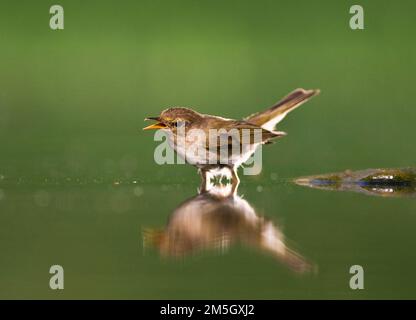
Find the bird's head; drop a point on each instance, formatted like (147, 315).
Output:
(173, 118)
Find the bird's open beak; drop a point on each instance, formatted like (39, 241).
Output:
(158, 125)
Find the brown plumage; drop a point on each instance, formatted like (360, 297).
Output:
(174, 118)
(270, 117)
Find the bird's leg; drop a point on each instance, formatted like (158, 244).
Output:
(235, 181)
(203, 174)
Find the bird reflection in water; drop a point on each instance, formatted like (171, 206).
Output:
(216, 219)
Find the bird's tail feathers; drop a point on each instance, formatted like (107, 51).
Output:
(270, 117)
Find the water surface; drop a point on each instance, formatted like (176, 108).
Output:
(79, 185)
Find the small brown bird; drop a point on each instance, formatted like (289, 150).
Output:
(172, 120)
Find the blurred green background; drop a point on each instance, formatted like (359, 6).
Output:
(77, 177)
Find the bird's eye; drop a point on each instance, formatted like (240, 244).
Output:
(179, 123)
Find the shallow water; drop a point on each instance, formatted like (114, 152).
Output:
(80, 188)
(106, 256)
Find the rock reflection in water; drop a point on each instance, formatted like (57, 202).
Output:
(217, 219)
(375, 182)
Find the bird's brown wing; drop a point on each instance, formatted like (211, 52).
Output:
(270, 117)
(238, 132)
